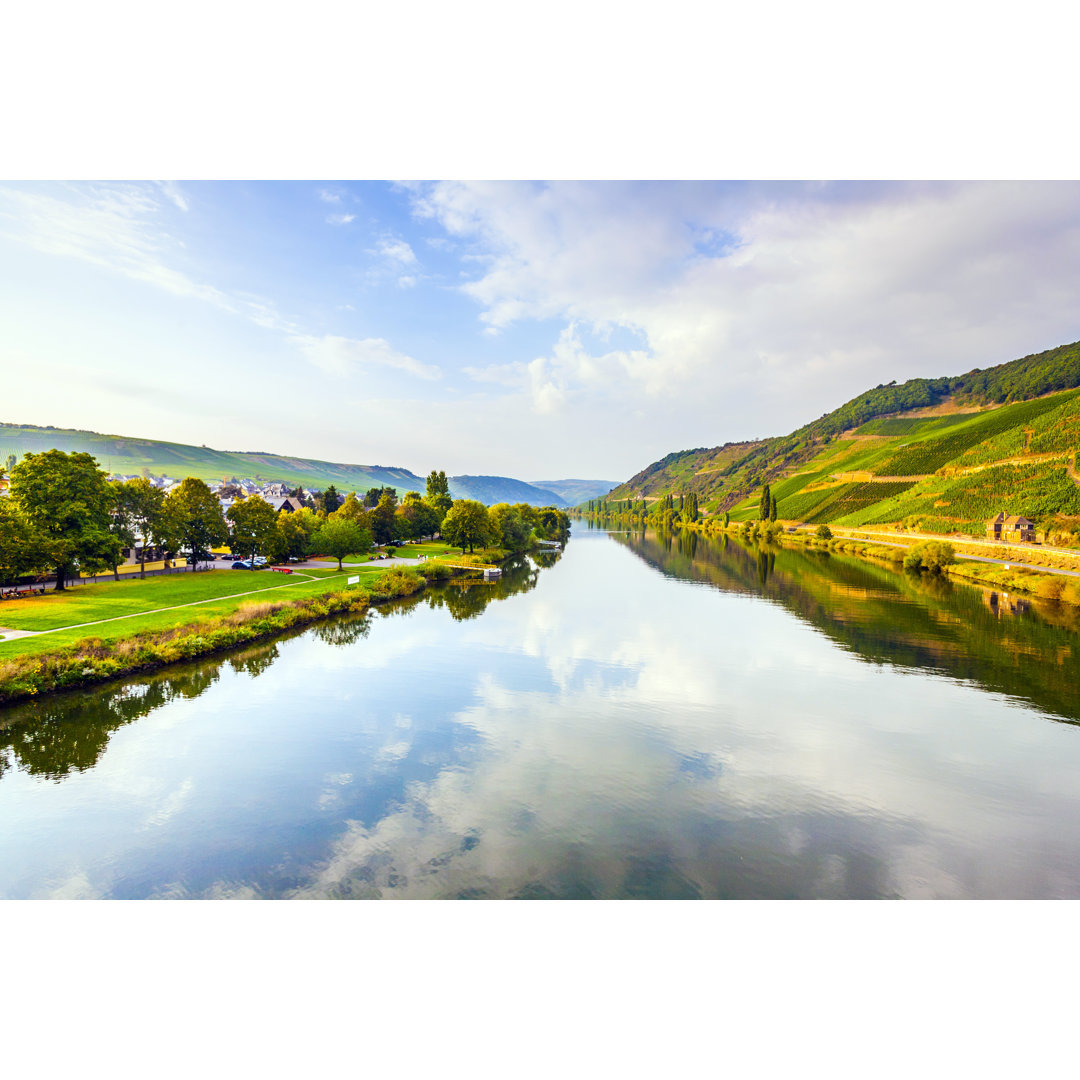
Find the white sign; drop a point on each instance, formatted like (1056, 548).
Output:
(354, 580)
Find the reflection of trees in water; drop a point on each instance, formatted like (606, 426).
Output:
(883, 615)
(254, 661)
(69, 732)
(467, 598)
(346, 630)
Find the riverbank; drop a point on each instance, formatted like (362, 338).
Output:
(92, 660)
(1043, 583)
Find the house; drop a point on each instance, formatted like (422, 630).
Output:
(1010, 527)
(287, 505)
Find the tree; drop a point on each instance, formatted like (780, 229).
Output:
(296, 530)
(193, 520)
(507, 528)
(9, 463)
(20, 547)
(146, 506)
(772, 507)
(416, 518)
(823, 532)
(438, 493)
(339, 537)
(727, 519)
(254, 527)
(467, 523)
(329, 500)
(382, 519)
(933, 555)
(65, 499)
(352, 509)
(764, 504)
(122, 526)
(138, 508)
(373, 495)
(690, 507)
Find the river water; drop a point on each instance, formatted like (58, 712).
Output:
(645, 716)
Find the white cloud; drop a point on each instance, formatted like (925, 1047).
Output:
(395, 250)
(116, 227)
(174, 194)
(342, 356)
(329, 196)
(761, 306)
(340, 219)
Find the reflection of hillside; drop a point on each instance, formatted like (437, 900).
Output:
(69, 732)
(885, 616)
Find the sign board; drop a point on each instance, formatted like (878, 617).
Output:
(354, 580)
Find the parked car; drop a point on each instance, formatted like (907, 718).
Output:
(260, 560)
(241, 564)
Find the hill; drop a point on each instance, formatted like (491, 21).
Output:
(129, 456)
(495, 489)
(576, 491)
(936, 455)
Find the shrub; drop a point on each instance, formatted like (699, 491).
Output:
(932, 555)
(823, 532)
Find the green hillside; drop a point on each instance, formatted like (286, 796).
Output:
(937, 455)
(130, 456)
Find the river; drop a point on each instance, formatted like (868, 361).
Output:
(644, 716)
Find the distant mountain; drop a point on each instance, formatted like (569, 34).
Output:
(496, 489)
(128, 456)
(576, 491)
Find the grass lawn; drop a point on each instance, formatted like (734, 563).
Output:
(142, 600)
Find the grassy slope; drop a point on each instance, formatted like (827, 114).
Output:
(129, 455)
(223, 589)
(939, 473)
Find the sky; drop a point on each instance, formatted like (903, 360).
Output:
(537, 330)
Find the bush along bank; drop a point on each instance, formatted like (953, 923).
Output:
(91, 660)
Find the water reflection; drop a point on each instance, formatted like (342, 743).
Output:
(888, 616)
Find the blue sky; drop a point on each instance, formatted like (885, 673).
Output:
(539, 330)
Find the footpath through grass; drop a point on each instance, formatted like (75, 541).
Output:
(137, 605)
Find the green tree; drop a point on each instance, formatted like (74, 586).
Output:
(329, 500)
(20, 547)
(9, 463)
(467, 523)
(764, 504)
(66, 500)
(193, 520)
(438, 493)
(339, 537)
(416, 517)
(727, 519)
(823, 532)
(254, 527)
(507, 528)
(690, 507)
(933, 555)
(383, 521)
(144, 505)
(352, 509)
(772, 507)
(296, 530)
